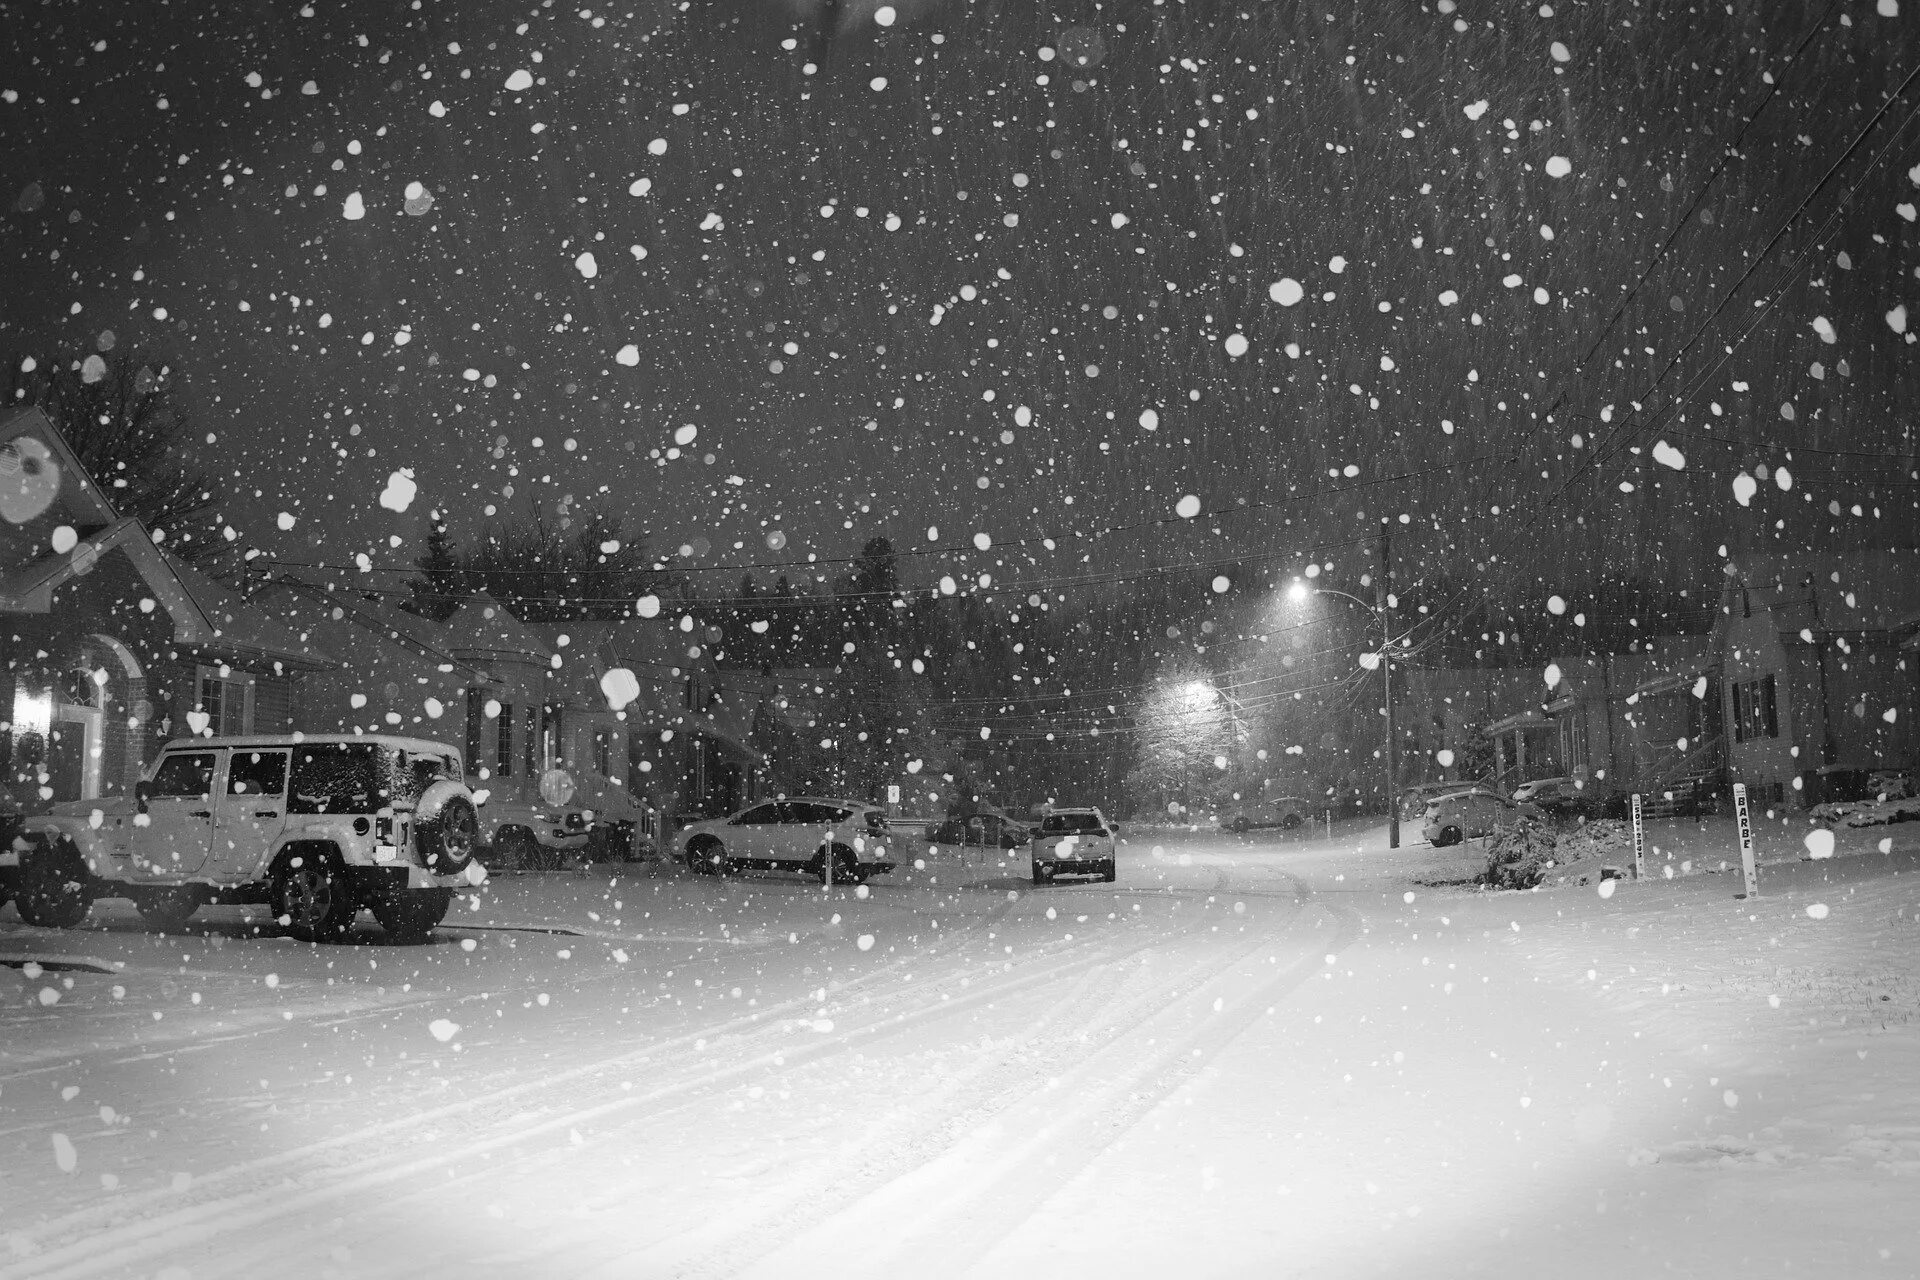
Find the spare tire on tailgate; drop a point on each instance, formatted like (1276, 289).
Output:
(446, 828)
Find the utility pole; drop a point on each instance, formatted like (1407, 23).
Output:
(1381, 595)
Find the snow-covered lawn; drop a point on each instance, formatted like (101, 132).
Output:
(1274, 1054)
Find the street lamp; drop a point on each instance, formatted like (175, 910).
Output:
(1378, 607)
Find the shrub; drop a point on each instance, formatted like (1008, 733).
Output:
(1602, 838)
(1520, 855)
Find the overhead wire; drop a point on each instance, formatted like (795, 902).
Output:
(1642, 422)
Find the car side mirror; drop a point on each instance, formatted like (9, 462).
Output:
(142, 792)
(1115, 829)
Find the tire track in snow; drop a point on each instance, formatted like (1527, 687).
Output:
(102, 1237)
(931, 1127)
(739, 1242)
(948, 1214)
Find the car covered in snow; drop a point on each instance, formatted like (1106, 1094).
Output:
(1564, 797)
(792, 833)
(1074, 842)
(1284, 812)
(317, 827)
(531, 834)
(1468, 812)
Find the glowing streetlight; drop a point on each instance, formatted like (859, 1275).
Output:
(1298, 591)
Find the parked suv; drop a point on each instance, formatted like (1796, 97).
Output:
(1074, 842)
(796, 834)
(316, 826)
(531, 835)
(1470, 812)
(1284, 812)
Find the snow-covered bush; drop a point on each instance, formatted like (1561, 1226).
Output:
(1867, 813)
(1520, 855)
(1600, 839)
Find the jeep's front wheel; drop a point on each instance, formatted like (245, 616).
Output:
(53, 887)
(310, 897)
(409, 915)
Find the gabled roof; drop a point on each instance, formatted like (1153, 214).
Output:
(205, 615)
(308, 603)
(237, 625)
(43, 488)
(71, 497)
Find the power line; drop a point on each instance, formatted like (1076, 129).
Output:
(1639, 425)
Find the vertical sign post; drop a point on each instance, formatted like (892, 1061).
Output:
(1639, 840)
(1746, 840)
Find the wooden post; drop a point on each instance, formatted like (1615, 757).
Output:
(1746, 841)
(1639, 840)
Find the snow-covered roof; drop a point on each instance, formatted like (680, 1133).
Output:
(482, 629)
(360, 629)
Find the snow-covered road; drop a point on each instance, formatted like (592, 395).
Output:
(1247, 1057)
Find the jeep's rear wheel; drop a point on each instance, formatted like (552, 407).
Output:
(53, 887)
(168, 909)
(310, 897)
(447, 843)
(409, 915)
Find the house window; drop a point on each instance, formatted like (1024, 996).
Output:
(699, 696)
(603, 753)
(476, 719)
(1753, 710)
(503, 744)
(226, 696)
(532, 740)
(553, 740)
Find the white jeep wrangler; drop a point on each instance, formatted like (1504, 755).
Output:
(315, 826)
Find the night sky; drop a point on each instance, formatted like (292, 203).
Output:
(1033, 273)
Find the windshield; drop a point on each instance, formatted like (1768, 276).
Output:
(1060, 823)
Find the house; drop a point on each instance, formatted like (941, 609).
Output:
(113, 645)
(656, 723)
(481, 679)
(1641, 721)
(1805, 685)
(1820, 672)
(397, 672)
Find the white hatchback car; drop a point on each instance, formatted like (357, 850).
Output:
(798, 833)
(1468, 813)
(1075, 842)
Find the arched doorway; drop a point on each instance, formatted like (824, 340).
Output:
(69, 725)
